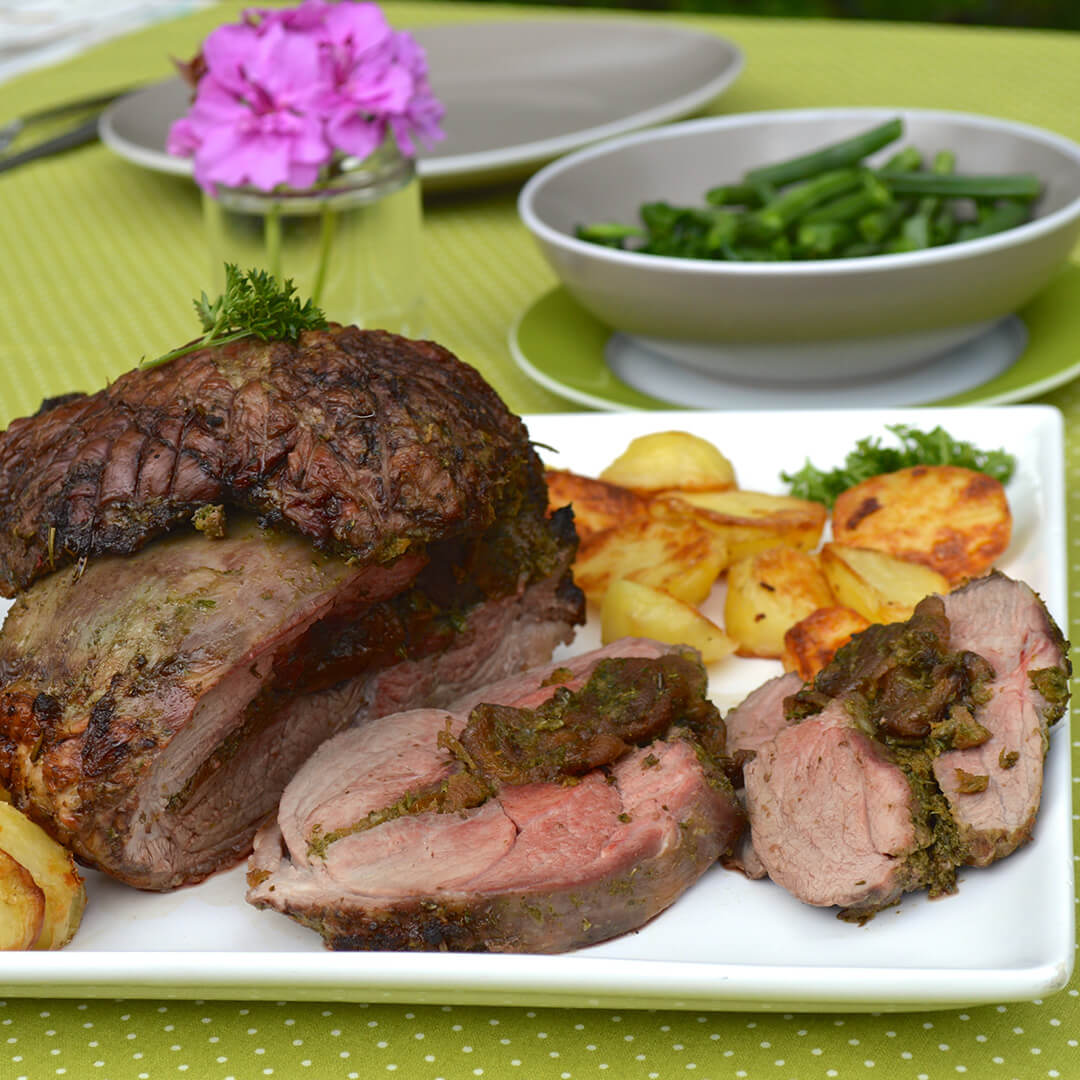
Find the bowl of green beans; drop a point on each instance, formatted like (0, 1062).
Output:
(809, 245)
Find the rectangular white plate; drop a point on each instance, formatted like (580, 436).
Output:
(728, 943)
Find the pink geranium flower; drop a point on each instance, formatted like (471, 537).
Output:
(284, 91)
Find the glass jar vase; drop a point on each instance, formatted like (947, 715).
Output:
(351, 243)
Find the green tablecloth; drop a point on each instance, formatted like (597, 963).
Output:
(98, 262)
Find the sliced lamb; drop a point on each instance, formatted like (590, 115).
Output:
(369, 848)
(994, 789)
(153, 709)
(833, 820)
(760, 716)
(918, 749)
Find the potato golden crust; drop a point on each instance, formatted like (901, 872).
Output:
(671, 460)
(22, 906)
(635, 610)
(879, 586)
(597, 505)
(954, 520)
(812, 642)
(52, 869)
(767, 594)
(752, 521)
(680, 556)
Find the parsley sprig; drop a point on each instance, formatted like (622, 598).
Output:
(870, 458)
(254, 304)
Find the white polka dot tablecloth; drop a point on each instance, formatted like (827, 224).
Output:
(98, 262)
(215, 1041)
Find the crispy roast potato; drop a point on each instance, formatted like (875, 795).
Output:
(671, 459)
(812, 642)
(52, 868)
(597, 505)
(635, 610)
(769, 592)
(679, 556)
(954, 520)
(22, 906)
(880, 587)
(752, 521)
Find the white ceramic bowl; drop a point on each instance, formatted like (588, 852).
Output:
(800, 321)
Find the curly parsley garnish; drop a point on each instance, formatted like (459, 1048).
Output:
(870, 458)
(253, 305)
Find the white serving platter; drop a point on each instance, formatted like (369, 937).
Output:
(728, 943)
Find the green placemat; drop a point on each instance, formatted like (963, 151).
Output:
(98, 263)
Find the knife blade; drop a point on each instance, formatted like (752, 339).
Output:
(86, 132)
(13, 128)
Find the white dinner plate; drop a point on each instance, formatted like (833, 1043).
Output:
(516, 93)
(728, 942)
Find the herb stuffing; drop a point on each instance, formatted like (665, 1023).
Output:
(254, 304)
(870, 458)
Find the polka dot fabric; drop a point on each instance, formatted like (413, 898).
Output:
(145, 1040)
(66, 323)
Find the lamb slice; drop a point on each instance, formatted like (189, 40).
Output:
(149, 709)
(122, 687)
(832, 818)
(533, 867)
(495, 638)
(760, 716)
(994, 789)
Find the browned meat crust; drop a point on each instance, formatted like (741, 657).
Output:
(364, 442)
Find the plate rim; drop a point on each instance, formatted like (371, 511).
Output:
(500, 159)
(647, 403)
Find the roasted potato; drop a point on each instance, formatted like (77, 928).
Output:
(680, 556)
(769, 592)
(597, 505)
(52, 868)
(752, 521)
(671, 459)
(954, 520)
(812, 642)
(22, 906)
(880, 587)
(635, 610)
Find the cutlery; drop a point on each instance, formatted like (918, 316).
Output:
(78, 136)
(13, 128)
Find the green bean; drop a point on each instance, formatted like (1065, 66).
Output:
(907, 160)
(871, 196)
(943, 229)
(723, 229)
(790, 205)
(733, 195)
(1006, 215)
(917, 231)
(878, 224)
(818, 240)
(835, 156)
(829, 204)
(608, 233)
(956, 186)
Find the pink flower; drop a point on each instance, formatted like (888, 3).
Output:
(286, 89)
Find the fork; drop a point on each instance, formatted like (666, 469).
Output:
(10, 131)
